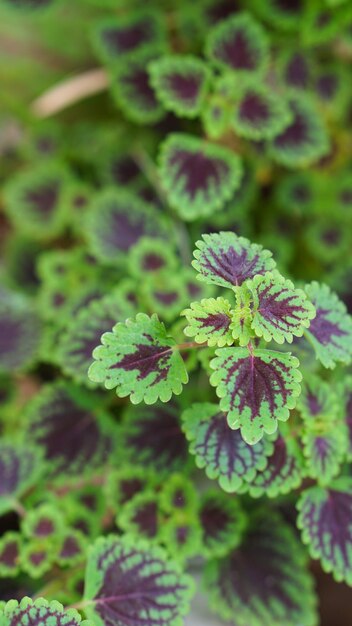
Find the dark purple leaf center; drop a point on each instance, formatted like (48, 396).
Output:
(197, 170)
(147, 359)
(254, 109)
(324, 330)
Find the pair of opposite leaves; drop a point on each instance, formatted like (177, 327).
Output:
(257, 387)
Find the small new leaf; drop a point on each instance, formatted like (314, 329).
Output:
(139, 359)
(256, 389)
(209, 321)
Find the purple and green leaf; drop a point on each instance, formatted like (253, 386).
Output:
(222, 521)
(20, 333)
(265, 580)
(284, 471)
(34, 201)
(116, 222)
(228, 260)
(40, 612)
(220, 450)
(132, 91)
(197, 176)
(181, 83)
(178, 494)
(304, 141)
(325, 519)
(10, 547)
(256, 389)
(280, 311)
(240, 44)
(260, 114)
(324, 447)
(129, 582)
(20, 469)
(118, 38)
(67, 423)
(181, 536)
(139, 359)
(330, 332)
(140, 516)
(209, 321)
(152, 437)
(82, 334)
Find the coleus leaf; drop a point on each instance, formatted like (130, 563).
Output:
(181, 536)
(178, 494)
(20, 468)
(72, 549)
(117, 38)
(40, 612)
(121, 570)
(37, 557)
(181, 83)
(139, 359)
(197, 176)
(132, 91)
(325, 447)
(82, 334)
(256, 389)
(347, 403)
(20, 333)
(118, 167)
(123, 484)
(71, 428)
(117, 221)
(209, 321)
(260, 114)
(295, 70)
(220, 450)
(228, 260)
(140, 516)
(330, 332)
(284, 471)
(10, 547)
(164, 294)
(304, 141)
(34, 200)
(325, 521)
(43, 522)
(265, 580)
(222, 521)
(153, 435)
(280, 311)
(150, 256)
(318, 401)
(239, 44)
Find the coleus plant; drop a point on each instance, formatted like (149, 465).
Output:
(161, 424)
